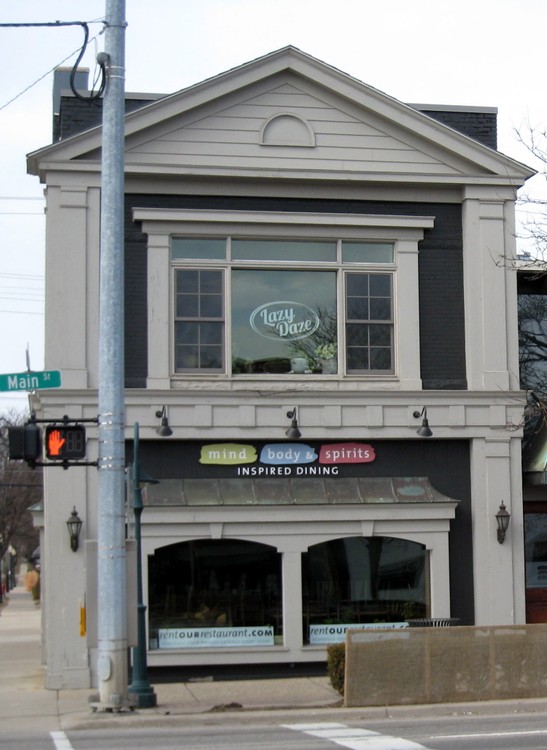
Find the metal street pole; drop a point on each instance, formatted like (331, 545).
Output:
(112, 588)
(140, 687)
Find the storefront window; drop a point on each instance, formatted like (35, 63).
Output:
(215, 593)
(332, 314)
(535, 540)
(361, 581)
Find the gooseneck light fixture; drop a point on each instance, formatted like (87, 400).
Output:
(424, 430)
(293, 432)
(502, 519)
(74, 526)
(163, 430)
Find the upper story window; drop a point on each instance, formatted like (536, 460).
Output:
(255, 306)
(236, 293)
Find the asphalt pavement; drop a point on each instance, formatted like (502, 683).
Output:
(24, 701)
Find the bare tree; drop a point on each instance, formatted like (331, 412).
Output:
(533, 229)
(532, 313)
(20, 488)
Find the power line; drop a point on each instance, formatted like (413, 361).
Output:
(81, 50)
(21, 296)
(22, 276)
(20, 312)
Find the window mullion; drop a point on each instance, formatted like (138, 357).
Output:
(228, 320)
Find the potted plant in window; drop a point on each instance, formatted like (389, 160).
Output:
(326, 353)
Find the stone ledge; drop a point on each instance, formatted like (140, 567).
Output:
(445, 665)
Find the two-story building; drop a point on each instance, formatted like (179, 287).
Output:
(319, 311)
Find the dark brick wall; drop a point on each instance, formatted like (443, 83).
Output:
(136, 313)
(442, 327)
(77, 115)
(481, 126)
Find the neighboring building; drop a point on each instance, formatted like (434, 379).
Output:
(532, 307)
(276, 214)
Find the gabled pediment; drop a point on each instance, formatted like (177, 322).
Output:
(289, 115)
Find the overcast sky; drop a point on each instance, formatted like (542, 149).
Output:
(463, 52)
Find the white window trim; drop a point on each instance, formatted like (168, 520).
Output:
(404, 231)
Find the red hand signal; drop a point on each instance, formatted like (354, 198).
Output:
(55, 443)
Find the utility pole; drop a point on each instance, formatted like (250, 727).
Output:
(112, 589)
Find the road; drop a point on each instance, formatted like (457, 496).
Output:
(525, 731)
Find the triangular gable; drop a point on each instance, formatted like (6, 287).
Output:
(290, 113)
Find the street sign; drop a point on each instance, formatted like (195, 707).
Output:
(30, 381)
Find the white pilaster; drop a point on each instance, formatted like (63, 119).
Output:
(159, 328)
(495, 475)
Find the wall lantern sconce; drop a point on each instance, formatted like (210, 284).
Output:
(163, 430)
(293, 432)
(502, 519)
(425, 429)
(74, 526)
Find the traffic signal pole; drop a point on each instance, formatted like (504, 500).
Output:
(112, 591)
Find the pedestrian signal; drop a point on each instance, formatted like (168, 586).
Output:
(65, 442)
(25, 443)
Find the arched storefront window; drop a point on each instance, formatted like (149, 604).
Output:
(361, 581)
(215, 593)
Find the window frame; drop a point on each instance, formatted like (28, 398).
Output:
(199, 319)
(162, 224)
(342, 270)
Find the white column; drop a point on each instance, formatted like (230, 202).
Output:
(498, 568)
(63, 569)
(489, 291)
(439, 571)
(159, 324)
(66, 314)
(408, 322)
(292, 600)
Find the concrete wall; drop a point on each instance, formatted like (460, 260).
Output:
(445, 665)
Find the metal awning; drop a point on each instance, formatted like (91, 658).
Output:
(293, 491)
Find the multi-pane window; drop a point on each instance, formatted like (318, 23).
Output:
(369, 321)
(199, 320)
(280, 306)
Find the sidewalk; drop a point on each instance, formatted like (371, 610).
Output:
(24, 700)
(22, 697)
(22, 692)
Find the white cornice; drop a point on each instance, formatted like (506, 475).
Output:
(284, 61)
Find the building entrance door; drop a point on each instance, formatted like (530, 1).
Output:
(535, 544)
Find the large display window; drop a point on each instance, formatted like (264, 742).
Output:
(361, 582)
(215, 593)
(228, 593)
(286, 334)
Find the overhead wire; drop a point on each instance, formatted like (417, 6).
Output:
(17, 199)
(32, 293)
(94, 95)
